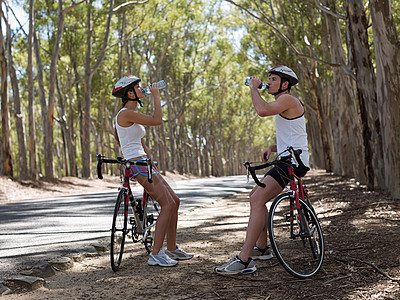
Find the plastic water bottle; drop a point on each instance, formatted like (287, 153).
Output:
(262, 86)
(160, 85)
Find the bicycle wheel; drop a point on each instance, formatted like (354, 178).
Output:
(300, 251)
(118, 231)
(151, 210)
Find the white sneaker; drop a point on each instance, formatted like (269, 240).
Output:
(262, 254)
(179, 254)
(237, 266)
(161, 259)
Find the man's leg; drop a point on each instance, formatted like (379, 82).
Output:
(258, 215)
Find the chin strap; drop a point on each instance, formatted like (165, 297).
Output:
(280, 89)
(136, 99)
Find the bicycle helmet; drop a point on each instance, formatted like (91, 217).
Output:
(123, 85)
(284, 73)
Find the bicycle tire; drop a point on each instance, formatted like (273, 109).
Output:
(151, 210)
(301, 255)
(118, 230)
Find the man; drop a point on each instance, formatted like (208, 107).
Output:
(290, 131)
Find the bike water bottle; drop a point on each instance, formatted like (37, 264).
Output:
(262, 85)
(160, 85)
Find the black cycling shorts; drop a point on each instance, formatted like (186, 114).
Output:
(281, 174)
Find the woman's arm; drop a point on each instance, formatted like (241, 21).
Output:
(129, 117)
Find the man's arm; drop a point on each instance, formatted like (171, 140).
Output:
(267, 152)
(264, 108)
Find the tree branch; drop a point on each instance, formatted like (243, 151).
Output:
(291, 46)
(12, 11)
(329, 11)
(129, 3)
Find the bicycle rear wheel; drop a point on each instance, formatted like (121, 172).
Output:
(118, 230)
(151, 210)
(300, 251)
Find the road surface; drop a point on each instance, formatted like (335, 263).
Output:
(34, 230)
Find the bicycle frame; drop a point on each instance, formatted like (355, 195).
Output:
(141, 222)
(142, 229)
(298, 192)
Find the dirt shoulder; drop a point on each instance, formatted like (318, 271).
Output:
(361, 228)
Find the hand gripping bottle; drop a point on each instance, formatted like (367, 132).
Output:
(160, 85)
(262, 86)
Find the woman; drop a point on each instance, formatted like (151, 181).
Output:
(129, 133)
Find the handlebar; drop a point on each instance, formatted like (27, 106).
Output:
(119, 160)
(293, 154)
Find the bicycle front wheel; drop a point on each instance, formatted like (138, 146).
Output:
(299, 248)
(151, 210)
(118, 230)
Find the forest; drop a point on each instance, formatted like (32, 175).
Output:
(59, 61)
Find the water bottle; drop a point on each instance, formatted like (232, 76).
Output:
(262, 85)
(160, 85)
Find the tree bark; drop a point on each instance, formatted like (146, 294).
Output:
(366, 84)
(387, 53)
(7, 166)
(18, 114)
(49, 144)
(349, 160)
(31, 107)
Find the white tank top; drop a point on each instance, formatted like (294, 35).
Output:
(292, 132)
(130, 139)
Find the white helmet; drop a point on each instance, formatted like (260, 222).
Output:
(124, 84)
(286, 73)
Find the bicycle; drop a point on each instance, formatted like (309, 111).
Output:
(145, 211)
(294, 230)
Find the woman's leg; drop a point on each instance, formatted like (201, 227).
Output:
(172, 228)
(167, 219)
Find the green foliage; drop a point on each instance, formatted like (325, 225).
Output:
(202, 49)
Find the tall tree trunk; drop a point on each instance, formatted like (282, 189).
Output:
(42, 97)
(49, 144)
(89, 72)
(7, 166)
(366, 91)
(387, 53)
(62, 120)
(18, 114)
(321, 116)
(70, 128)
(31, 108)
(350, 161)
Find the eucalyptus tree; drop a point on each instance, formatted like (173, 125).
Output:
(387, 54)
(18, 114)
(361, 60)
(55, 33)
(89, 72)
(7, 165)
(31, 111)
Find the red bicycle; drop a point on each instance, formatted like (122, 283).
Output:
(294, 230)
(145, 211)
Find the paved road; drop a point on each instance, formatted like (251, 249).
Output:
(36, 229)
